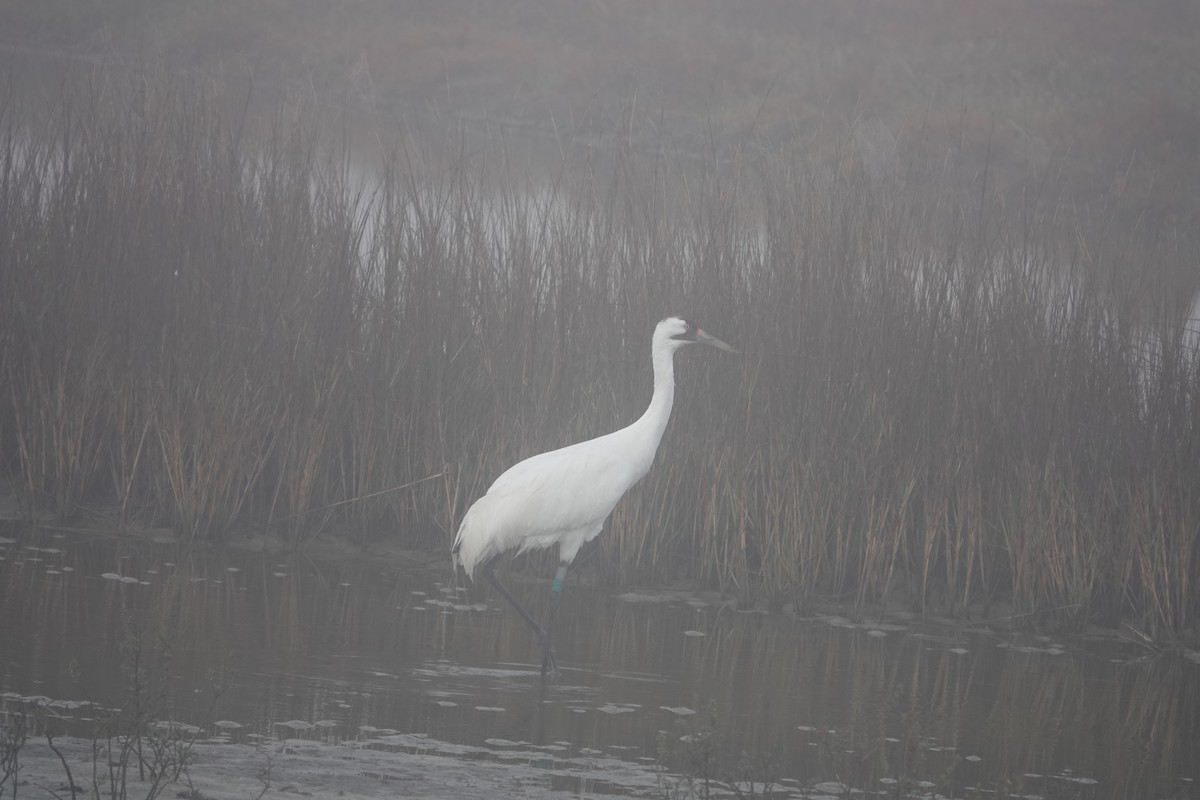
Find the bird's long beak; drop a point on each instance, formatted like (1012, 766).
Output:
(707, 338)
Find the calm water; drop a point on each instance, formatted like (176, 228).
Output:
(361, 649)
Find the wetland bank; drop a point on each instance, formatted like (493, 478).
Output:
(961, 438)
(363, 678)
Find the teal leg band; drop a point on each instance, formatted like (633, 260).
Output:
(557, 585)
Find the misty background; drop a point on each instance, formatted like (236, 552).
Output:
(1104, 95)
(286, 284)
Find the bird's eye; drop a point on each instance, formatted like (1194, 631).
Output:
(688, 333)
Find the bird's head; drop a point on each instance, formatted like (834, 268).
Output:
(675, 332)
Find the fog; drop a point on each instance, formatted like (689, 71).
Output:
(1102, 94)
(285, 286)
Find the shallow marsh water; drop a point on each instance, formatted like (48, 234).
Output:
(659, 690)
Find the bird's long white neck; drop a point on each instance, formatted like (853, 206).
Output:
(649, 428)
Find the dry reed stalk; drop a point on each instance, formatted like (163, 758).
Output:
(60, 430)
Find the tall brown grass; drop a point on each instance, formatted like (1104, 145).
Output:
(951, 398)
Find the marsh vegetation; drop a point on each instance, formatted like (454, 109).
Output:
(951, 395)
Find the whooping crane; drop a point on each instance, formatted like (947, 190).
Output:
(563, 497)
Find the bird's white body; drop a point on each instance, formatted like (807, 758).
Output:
(564, 496)
(561, 497)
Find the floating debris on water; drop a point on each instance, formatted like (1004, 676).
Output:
(1070, 778)
(681, 711)
(295, 724)
(1051, 650)
(113, 576)
(181, 727)
(833, 788)
(645, 597)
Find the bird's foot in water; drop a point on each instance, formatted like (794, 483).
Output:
(549, 663)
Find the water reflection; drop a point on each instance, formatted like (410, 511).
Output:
(354, 649)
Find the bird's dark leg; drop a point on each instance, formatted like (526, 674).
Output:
(543, 638)
(549, 665)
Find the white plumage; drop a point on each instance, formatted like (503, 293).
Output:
(563, 497)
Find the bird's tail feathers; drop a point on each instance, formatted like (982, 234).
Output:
(472, 547)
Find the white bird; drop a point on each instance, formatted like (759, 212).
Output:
(563, 497)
